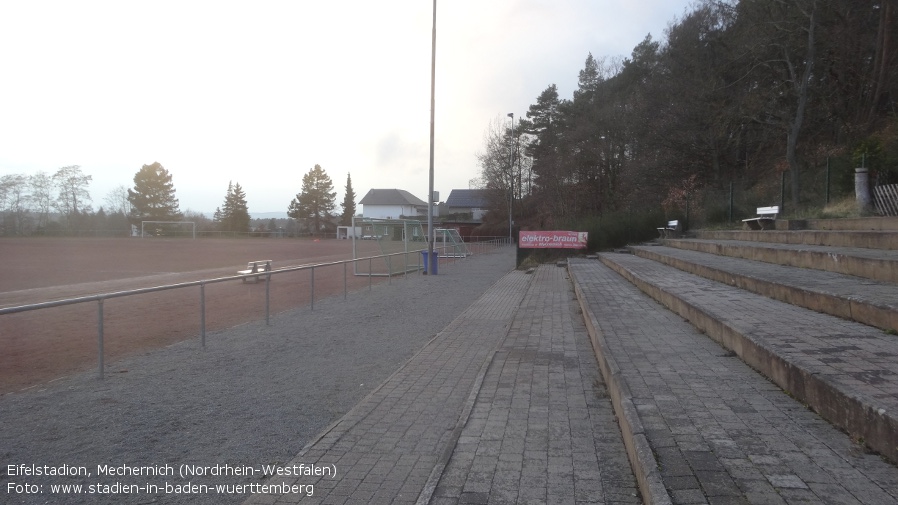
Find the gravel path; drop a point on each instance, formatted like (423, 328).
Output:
(254, 396)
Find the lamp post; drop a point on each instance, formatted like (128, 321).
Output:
(511, 182)
(433, 66)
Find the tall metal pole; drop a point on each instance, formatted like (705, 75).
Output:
(511, 183)
(433, 66)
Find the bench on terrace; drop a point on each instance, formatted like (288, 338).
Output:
(671, 230)
(766, 219)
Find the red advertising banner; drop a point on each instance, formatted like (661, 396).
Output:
(552, 240)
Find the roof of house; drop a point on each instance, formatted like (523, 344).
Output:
(467, 198)
(390, 197)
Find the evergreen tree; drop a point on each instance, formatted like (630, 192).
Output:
(348, 203)
(153, 196)
(233, 215)
(316, 200)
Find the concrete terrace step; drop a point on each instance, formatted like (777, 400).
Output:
(858, 223)
(718, 431)
(836, 238)
(865, 301)
(844, 370)
(877, 264)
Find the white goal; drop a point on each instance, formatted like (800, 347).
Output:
(450, 243)
(168, 229)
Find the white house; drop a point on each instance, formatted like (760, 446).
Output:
(391, 204)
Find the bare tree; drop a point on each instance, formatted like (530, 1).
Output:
(14, 204)
(800, 76)
(117, 200)
(501, 164)
(73, 197)
(781, 37)
(42, 196)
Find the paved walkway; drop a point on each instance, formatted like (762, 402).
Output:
(542, 429)
(719, 431)
(505, 405)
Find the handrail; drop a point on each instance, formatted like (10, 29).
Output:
(102, 297)
(165, 287)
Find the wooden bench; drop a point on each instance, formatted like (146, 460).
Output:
(255, 267)
(671, 230)
(766, 219)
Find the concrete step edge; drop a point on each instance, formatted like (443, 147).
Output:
(863, 311)
(885, 270)
(639, 451)
(878, 239)
(851, 413)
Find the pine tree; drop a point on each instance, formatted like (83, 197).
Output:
(233, 215)
(348, 203)
(153, 196)
(239, 218)
(316, 200)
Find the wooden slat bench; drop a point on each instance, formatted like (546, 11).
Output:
(766, 219)
(671, 230)
(255, 267)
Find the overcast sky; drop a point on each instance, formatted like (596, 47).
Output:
(260, 92)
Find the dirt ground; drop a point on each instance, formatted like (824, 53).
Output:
(42, 345)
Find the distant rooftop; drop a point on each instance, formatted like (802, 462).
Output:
(391, 197)
(467, 198)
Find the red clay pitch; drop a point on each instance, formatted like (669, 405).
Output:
(45, 344)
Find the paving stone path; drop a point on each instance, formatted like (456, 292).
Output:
(504, 406)
(542, 429)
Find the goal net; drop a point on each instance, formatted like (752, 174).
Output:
(168, 229)
(449, 243)
(397, 244)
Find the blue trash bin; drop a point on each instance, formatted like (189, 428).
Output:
(434, 262)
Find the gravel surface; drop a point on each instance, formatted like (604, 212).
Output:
(254, 396)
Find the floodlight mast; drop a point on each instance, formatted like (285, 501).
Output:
(511, 182)
(433, 59)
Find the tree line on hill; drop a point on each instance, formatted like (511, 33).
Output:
(61, 204)
(761, 94)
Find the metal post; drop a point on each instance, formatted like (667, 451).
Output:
(369, 274)
(783, 193)
(511, 181)
(731, 203)
(344, 281)
(100, 333)
(826, 192)
(268, 299)
(312, 274)
(433, 74)
(355, 264)
(203, 314)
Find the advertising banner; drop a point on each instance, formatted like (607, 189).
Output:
(552, 240)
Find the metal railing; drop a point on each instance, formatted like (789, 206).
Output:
(101, 298)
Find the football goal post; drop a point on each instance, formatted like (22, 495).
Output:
(401, 239)
(168, 229)
(449, 243)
